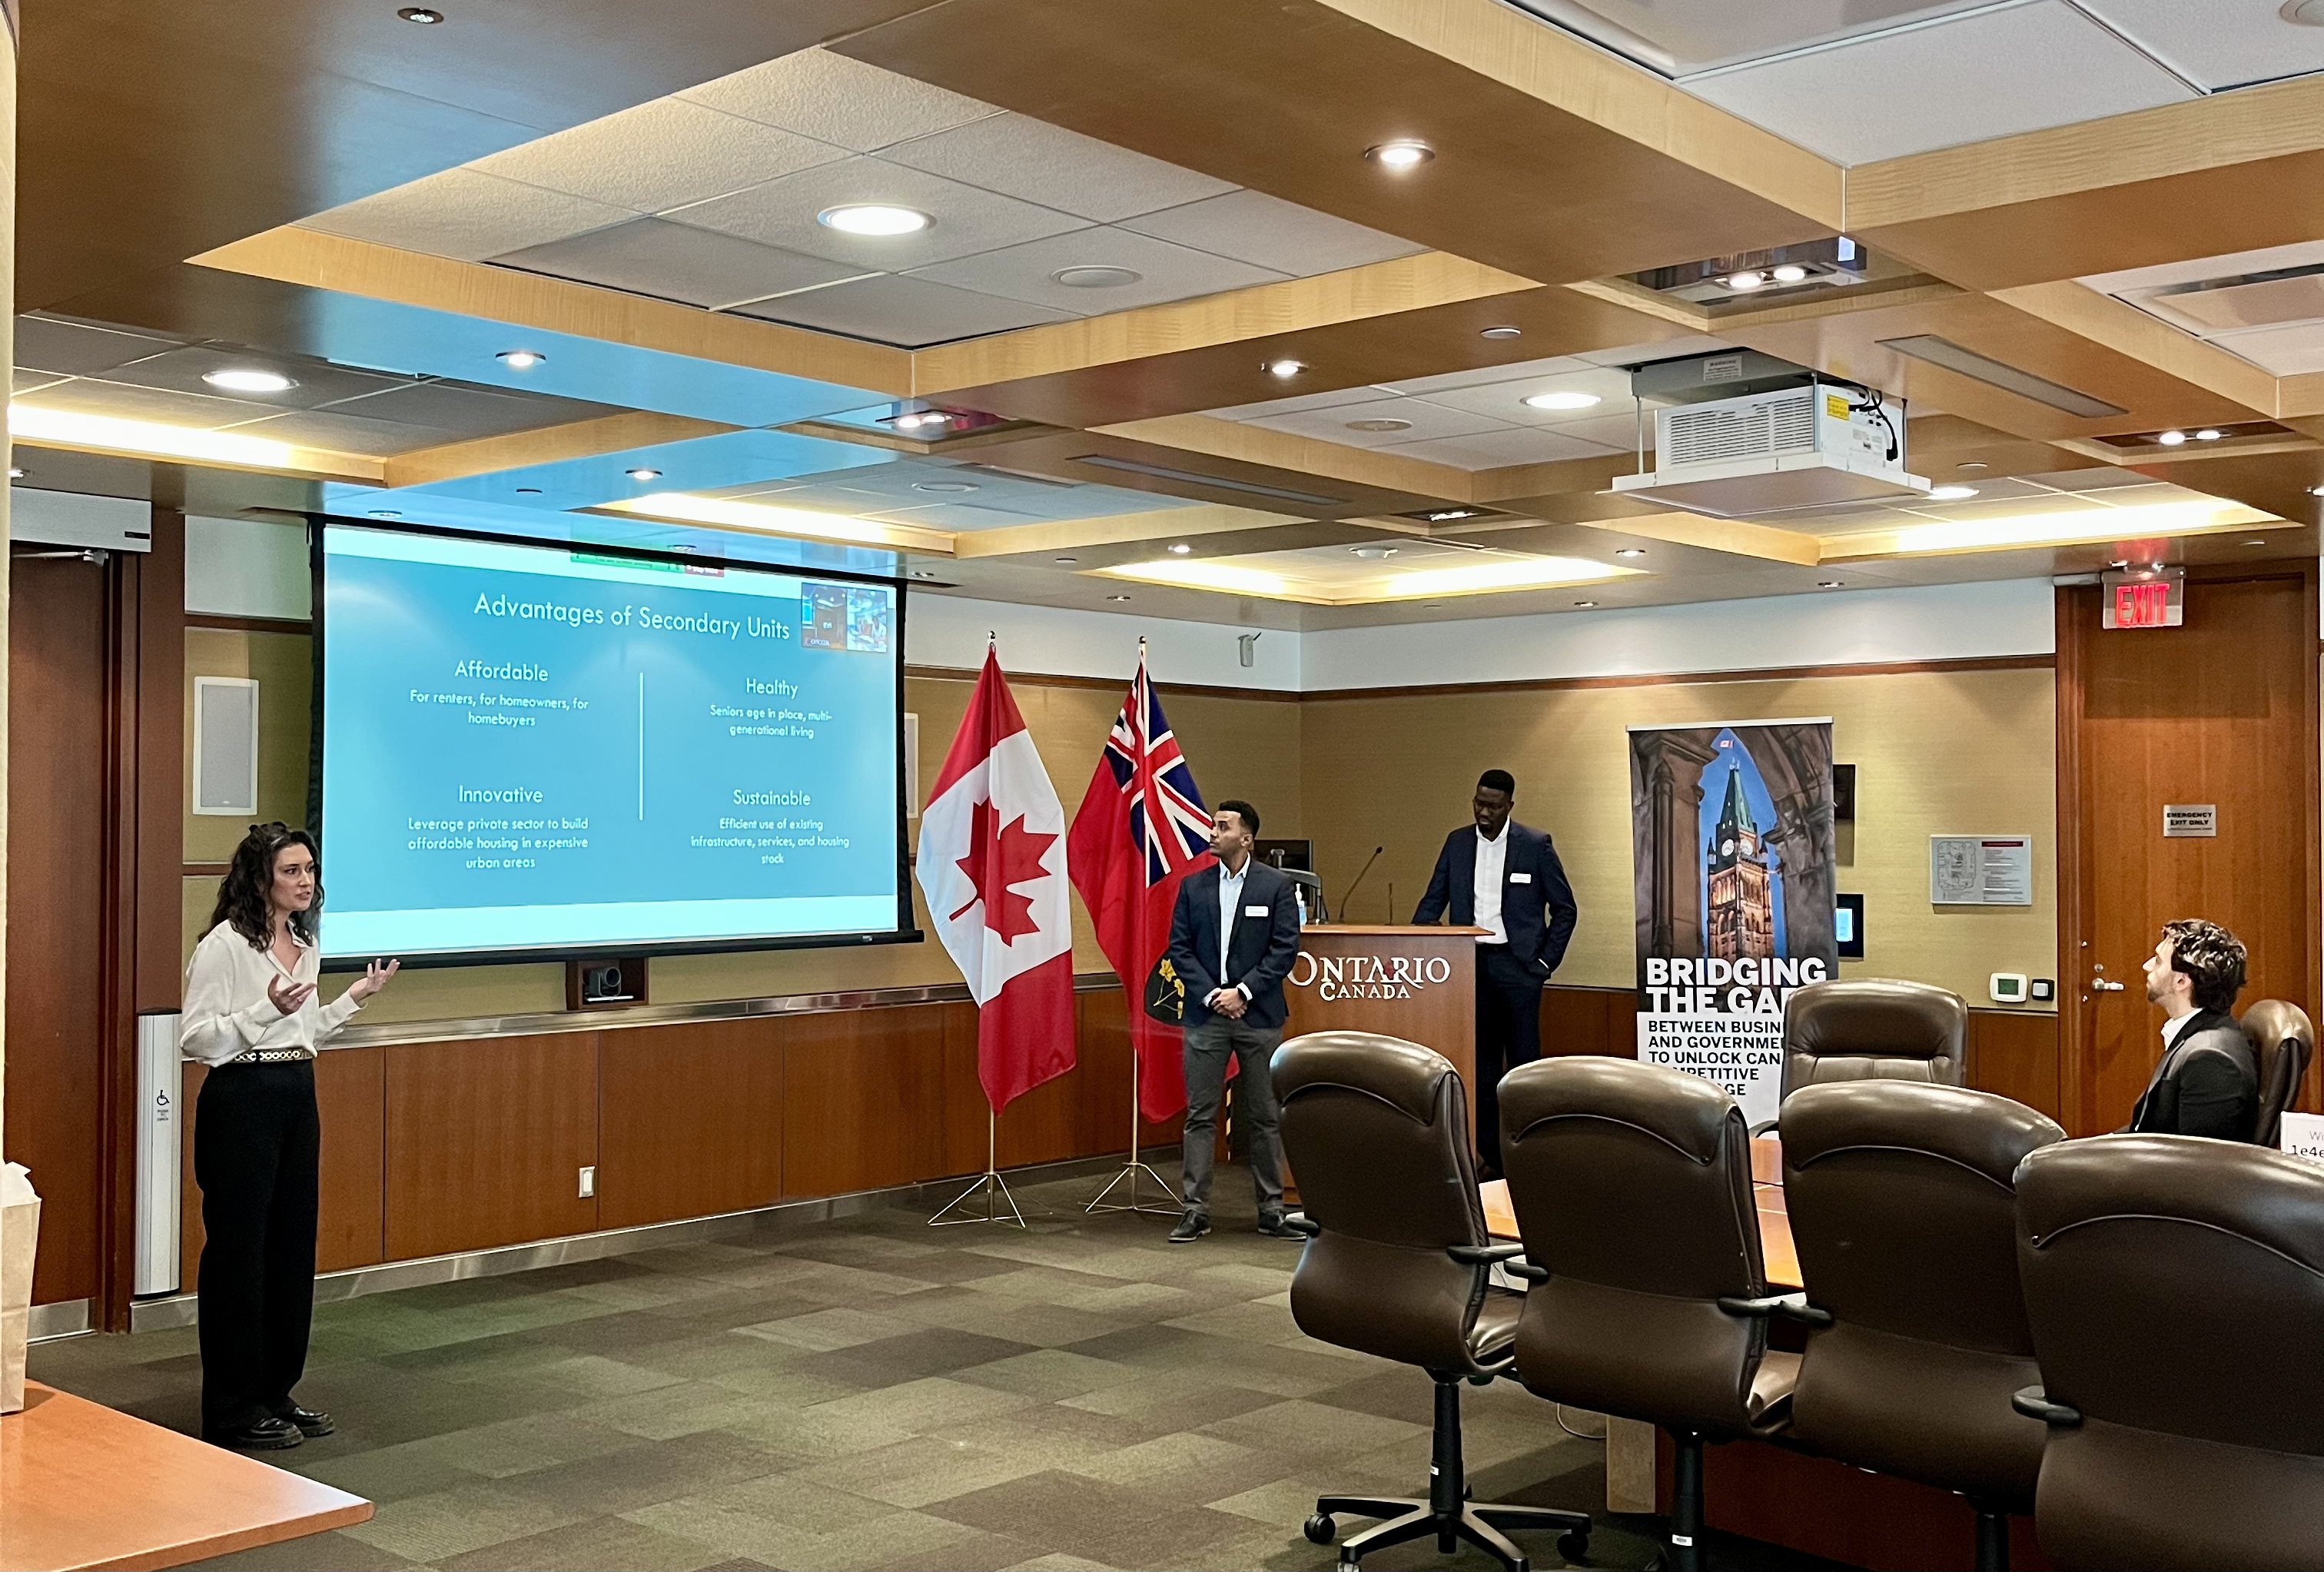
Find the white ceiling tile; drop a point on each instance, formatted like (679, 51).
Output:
(1167, 271)
(1492, 449)
(904, 311)
(659, 155)
(1676, 348)
(1253, 227)
(2220, 43)
(838, 100)
(1020, 156)
(1423, 421)
(76, 349)
(1330, 399)
(1619, 431)
(465, 215)
(701, 267)
(782, 213)
(1993, 73)
(1484, 375)
(1674, 37)
(2295, 349)
(1505, 400)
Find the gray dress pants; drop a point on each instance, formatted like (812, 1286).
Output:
(1207, 1049)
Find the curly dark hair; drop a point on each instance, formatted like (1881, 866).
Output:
(2212, 958)
(242, 894)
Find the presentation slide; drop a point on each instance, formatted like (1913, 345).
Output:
(530, 748)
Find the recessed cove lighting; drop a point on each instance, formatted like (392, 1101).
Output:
(2172, 438)
(1285, 368)
(1501, 332)
(874, 218)
(521, 359)
(1096, 278)
(1179, 549)
(1404, 153)
(1631, 551)
(1789, 272)
(1562, 401)
(643, 474)
(1951, 493)
(2208, 434)
(1381, 425)
(249, 380)
(426, 16)
(1748, 279)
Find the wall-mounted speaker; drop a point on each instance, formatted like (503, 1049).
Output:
(225, 747)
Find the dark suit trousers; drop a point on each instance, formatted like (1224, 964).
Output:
(1509, 1034)
(257, 1145)
(1207, 1049)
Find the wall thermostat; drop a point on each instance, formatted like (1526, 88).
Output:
(2045, 989)
(2009, 987)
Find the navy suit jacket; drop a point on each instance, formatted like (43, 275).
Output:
(1537, 909)
(1259, 951)
(2206, 1083)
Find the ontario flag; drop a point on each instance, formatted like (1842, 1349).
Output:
(1141, 830)
(992, 867)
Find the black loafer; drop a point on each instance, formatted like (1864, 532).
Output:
(1191, 1228)
(266, 1435)
(310, 1424)
(1272, 1224)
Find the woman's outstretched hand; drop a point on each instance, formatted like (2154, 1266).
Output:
(376, 975)
(287, 995)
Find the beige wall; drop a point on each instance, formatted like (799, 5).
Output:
(1937, 752)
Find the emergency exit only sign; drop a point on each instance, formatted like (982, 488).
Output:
(2189, 819)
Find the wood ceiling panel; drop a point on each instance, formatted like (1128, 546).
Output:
(1520, 182)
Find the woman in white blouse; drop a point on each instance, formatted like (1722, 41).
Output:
(252, 1016)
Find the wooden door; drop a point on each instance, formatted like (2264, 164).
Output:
(61, 837)
(2220, 711)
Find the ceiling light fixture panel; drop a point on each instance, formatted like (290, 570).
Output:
(875, 221)
(240, 379)
(1401, 155)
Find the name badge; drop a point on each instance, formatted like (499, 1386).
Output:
(1254, 910)
(1520, 878)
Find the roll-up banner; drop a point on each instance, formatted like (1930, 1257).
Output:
(1731, 836)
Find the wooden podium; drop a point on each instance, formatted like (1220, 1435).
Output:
(1418, 984)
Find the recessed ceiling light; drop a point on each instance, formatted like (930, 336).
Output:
(1066, 561)
(1096, 278)
(1970, 465)
(2315, 491)
(386, 514)
(1372, 553)
(943, 485)
(921, 419)
(1382, 425)
(1748, 279)
(521, 359)
(528, 491)
(878, 219)
(1831, 584)
(2172, 438)
(2303, 13)
(249, 379)
(1951, 493)
(1562, 401)
(1404, 153)
(427, 17)
(1503, 332)
(1789, 272)
(2208, 434)
(1179, 549)
(1631, 551)
(1585, 605)
(1117, 598)
(16, 474)
(1285, 368)
(643, 474)
(2255, 542)
(922, 573)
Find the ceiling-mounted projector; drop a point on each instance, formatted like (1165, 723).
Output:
(1769, 450)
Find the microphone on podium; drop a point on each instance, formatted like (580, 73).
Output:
(1367, 868)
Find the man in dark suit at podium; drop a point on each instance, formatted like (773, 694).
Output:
(1505, 878)
(1234, 933)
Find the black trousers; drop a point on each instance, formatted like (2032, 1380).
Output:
(1509, 1034)
(257, 1141)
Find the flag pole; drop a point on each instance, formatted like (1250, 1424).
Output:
(989, 1184)
(1131, 1170)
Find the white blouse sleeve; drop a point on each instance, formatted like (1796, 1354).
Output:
(211, 1029)
(334, 1014)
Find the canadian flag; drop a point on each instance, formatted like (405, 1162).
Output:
(992, 868)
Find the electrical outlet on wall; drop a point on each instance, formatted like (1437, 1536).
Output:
(588, 1182)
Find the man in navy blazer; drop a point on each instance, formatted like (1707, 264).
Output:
(1505, 878)
(1234, 933)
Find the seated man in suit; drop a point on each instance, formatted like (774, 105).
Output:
(2206, 1083)
(1505, 879)
(1234, 933)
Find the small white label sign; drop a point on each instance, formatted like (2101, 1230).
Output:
(2189, 819)
(2303, 1136)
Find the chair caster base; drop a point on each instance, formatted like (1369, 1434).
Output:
(1573, 1547)
(1320, 1530)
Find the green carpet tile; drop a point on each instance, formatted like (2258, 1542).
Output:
(873, 1392)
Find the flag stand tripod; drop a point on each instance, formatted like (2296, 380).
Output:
(1133, 1169)
(989, 1184)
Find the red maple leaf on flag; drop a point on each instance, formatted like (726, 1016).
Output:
(1007, 914)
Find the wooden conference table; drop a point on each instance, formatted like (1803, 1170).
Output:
(1783, 1261)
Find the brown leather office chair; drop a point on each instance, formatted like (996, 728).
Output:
(1632, 1187)
(1398, 1264)
(2282, 1041)
(1873, 1029)
(1905, 1221)
(2175, 1286)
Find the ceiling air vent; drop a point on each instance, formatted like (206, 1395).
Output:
(2251, 300)
(1969, 362)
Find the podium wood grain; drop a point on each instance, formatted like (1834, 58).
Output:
(1441, 1014)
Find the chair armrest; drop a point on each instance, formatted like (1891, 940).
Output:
(1762, 1127)
(2035, 1404)
(1526, 1270)
(1301, 1223)
(1483, 1254)
(1795, 1306)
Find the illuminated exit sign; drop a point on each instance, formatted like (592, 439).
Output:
(2152, 599)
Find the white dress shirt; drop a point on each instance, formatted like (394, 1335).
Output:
(2171, 1029)
(1493, 863)
(227, 1014)
(1230, 898)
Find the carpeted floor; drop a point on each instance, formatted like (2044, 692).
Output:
(873, 1392)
